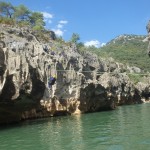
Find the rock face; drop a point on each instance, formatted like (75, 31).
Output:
(84, 82)
(148, 31)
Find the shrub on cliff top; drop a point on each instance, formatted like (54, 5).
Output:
(21, 15)
(8, 21)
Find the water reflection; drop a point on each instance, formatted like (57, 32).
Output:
(62, 133)
(123, 129)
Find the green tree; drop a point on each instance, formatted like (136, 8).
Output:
(75, 38)
(80, 45)
(22, 13)
(37, 18)
(60, 39)
(6, 9)
(39, 25)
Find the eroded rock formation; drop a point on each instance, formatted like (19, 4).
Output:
(84, 82)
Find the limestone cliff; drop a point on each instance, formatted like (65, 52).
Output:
(84, 82)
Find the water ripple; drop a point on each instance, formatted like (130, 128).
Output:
(126, 128)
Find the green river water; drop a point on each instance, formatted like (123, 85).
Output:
(126, 128)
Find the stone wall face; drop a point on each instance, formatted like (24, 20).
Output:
(84, 82)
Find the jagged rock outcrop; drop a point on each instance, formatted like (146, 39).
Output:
(84, 82)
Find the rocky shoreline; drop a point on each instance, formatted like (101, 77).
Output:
(85, 83)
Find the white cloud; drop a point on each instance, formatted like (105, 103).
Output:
(103, 44)
(47, 15)
(48, 20)
(92, 43)
(95, 43)
(59, 26)
(63, 22)
(58, 32)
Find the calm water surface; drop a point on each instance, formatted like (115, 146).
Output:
(127, 128)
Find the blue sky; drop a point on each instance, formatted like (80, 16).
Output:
(96, 21)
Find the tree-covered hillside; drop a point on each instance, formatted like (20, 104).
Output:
(128, 49)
